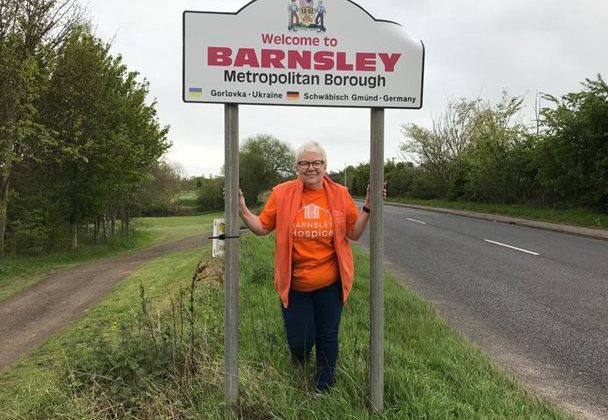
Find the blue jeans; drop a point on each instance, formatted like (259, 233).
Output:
(314, 318)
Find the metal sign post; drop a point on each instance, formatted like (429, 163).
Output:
(376, 268)
(231, 265)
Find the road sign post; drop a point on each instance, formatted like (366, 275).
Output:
(231, 262)
(376, 253)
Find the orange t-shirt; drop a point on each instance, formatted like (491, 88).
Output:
(314, 263)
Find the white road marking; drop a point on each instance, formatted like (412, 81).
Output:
(512, 247)
(416, 221)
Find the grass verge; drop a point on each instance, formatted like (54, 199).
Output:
(18, 274)
(157, 358)
(574, 216)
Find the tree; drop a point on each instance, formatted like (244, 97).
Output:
(78, 108)
(399, 178)
(436, 150)
(493, 166)
(210, 195)
(475, 150)
(159, 193)
(142, 142)
(573, 152)
(31, 216)
(190, 184)
(107, 136)
(29, 32)
(17, 116)
(264, 162)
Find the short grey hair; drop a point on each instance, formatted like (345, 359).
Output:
(311, 146)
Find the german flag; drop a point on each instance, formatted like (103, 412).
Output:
(293, 96)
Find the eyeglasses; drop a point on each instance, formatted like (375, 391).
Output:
(317, 164)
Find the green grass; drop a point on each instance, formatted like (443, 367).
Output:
(18, 274)
(119, 362)
(574, 216)
(188, 199)
(27, 388)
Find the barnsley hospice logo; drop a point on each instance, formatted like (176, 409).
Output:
(313, 222)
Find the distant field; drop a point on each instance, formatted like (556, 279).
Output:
(165, 229)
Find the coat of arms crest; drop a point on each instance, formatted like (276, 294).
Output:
(304, 15)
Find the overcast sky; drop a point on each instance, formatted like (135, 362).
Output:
(473, 49)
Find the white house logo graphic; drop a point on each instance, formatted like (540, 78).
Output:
(311, 211)
(317, 223)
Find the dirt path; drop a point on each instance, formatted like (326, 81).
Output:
(32, 316)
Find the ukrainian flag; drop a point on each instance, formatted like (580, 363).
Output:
(195, 92)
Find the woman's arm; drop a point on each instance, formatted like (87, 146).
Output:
(361, 223)
(251, 220)
(359, 227)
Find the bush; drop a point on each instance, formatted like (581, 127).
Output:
(155, 352)
(211, 194)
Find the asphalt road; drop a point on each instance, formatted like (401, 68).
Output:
(535, 301)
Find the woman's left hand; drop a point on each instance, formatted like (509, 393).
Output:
(367, 199)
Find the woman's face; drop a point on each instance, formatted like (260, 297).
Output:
(311, 169)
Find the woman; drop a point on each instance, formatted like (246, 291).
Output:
(313, 274)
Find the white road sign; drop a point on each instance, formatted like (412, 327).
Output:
(301, 52)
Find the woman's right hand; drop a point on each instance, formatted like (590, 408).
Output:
(242, 203)
(251, 220)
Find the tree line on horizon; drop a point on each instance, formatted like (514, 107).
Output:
(479, 152)
(81, 145)
(474, 151)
